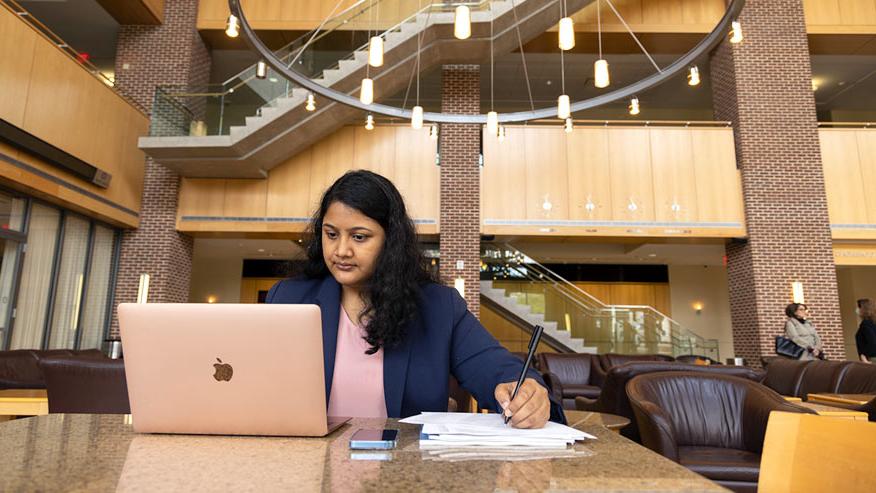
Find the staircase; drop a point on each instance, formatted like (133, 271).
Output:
(278, 125)
(523, 311)
(530, 291)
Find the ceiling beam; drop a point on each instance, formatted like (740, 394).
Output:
(135, 11)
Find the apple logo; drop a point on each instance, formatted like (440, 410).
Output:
(224, 371)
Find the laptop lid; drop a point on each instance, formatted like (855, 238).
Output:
(237, 369)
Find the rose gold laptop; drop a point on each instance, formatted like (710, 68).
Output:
(225, 369)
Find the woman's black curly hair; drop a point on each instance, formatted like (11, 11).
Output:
(392, 293)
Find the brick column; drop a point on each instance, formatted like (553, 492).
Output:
(763, 85)
(147, 57)
(460, 183)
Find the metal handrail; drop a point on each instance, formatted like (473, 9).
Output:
(559, 280)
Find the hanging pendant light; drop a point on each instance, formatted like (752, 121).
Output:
(232, 26)
(601, 77)
(736, 32)
(563, 108)
(311, 103)
(369, 122)
(433, 132)
(493, 123)
(634, 106)
(693, 78)
(462, 22)
(366, 93)
(261, 70)
(417, 117)
(568, 126)
(502, 133)
(375, 51)
(567, 34)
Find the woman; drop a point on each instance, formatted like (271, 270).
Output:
(799, 329)
(392, 336)
(865, 338)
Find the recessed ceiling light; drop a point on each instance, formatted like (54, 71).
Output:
(652, 254)
(261, 250)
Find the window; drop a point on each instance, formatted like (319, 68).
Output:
(56, 276)
(36, 278)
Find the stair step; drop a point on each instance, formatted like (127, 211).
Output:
(349, 66)
(331, 75)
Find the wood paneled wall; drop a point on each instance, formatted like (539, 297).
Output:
(282, 203)
(512, 337)
(651, 181)
(610, 293)
(306, 14)
(849, 160)
(840, 16)
(49, 95)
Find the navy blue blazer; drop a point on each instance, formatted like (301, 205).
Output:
(445, 339)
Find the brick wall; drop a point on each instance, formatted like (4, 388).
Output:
(460, 182)
(146, 57)
(763, 85)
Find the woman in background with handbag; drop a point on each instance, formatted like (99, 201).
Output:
(799, 329)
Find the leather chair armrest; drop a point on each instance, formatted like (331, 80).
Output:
(656, 430)
(756, 409)
(584, 404)
(555, 386)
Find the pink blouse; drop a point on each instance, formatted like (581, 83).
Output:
(357, 383)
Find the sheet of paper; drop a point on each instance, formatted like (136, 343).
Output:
(489, 425)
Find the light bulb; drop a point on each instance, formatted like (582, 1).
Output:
(375, 51)
(693, 78)
(261, 70)
(567, 34)
(492, 123)
(600, 74)
(502, 133)
(311, 103)
(417, 117)
(433, 132)
(369, 122)
(462, 22)
(232, 26)
(563, 110)
(366, 93)
(736, 32)
(568, 126)
(634, 106)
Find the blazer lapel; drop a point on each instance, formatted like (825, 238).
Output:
(329, 300)
(395, 373)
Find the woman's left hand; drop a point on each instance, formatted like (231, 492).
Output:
(530, 409)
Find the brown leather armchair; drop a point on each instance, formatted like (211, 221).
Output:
(569, 375)
(20, 368)
(614, 400)
(712, 424)
(85, 385)
(821, 376)
(693, 359)
(784, 376)
(608, 361)
(859, 378)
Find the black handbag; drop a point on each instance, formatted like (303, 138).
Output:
(787, 347)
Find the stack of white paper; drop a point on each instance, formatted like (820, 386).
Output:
(462, 436)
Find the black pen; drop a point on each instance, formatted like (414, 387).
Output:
(533, 343)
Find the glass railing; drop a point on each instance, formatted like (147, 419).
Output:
(623, 329)
(212, 110)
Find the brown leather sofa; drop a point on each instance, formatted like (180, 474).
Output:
(85, 385)
(859, 378)
(20, 368)
(712, 424)
(614, 400)
(569, 375)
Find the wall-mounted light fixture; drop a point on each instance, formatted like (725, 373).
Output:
(698, 307)
(797, 292)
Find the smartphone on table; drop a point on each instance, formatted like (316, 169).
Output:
(374, 439)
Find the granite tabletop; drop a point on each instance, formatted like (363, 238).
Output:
(78, 452)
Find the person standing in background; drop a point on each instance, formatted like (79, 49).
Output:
(865, 338)
(799, 329)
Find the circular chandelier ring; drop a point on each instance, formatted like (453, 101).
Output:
(704, 46)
